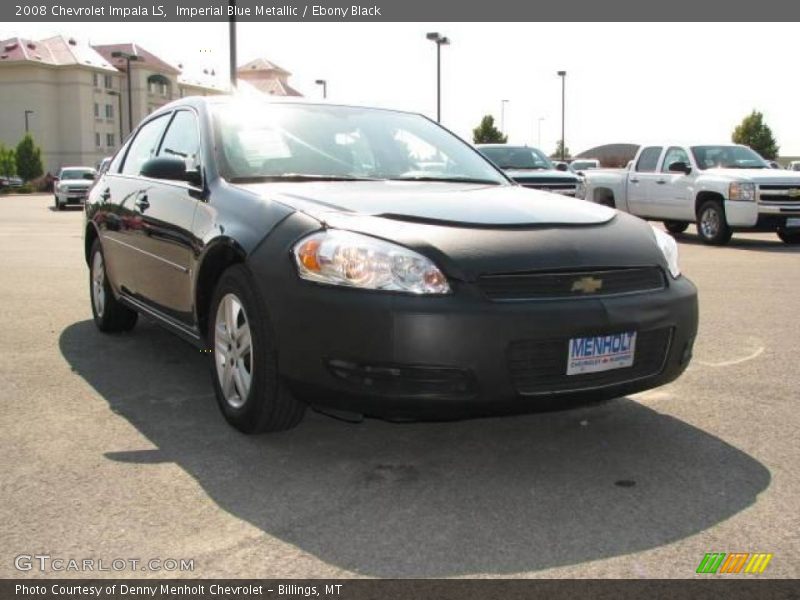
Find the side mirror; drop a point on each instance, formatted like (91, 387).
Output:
(165, 167)
(562, 167)
(679, 167)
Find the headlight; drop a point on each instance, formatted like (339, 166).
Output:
(351, 259)
(580, 189)
(669, 248)
(742, 191)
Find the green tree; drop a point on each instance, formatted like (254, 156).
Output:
(29, 159)
(487, 133)
(557, 154)
(8, 161)
(753, 132)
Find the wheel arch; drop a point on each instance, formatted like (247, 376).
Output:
(219, 256)
(90, 234)
(706, 195)
(605, 196)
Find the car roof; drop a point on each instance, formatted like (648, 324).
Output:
(78, 167)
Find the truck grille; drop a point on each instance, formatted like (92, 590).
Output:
(779, 194)
(560, 185)
(572, 284)
(540, 366)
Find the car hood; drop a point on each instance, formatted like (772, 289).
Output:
(76, 182)
(471, 230)
(760, 176)
(455, 204)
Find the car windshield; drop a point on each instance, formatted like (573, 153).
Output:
(515, 157)
(77, 174)
(727, 157)
(261, 141)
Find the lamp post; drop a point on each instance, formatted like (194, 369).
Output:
(503, 116)
(563, 75)
(324, 84)
(27, 112)
(539, 133)
(232, 42)
(119, 110)
(440, 41)
(129, 58)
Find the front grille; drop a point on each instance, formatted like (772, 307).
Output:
(540, 366)
(572, 284)
(779, 194)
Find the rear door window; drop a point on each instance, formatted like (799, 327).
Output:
(648, 159)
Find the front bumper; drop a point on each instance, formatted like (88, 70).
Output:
(72, 197)
(400, 356)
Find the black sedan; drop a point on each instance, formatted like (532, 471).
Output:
(369, 262)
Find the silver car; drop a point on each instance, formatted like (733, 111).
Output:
(72, 185)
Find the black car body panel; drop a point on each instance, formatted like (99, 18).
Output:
(386, 353)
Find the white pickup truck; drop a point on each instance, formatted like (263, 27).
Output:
(722, 188)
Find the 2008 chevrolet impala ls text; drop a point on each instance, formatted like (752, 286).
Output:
(369, 262)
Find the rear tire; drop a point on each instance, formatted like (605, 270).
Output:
(675, 227)
(110, 315)
(712, 227)
(243, 359)
(789, 237)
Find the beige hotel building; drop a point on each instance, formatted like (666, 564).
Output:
(73, 97)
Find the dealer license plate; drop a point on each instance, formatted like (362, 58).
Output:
(792, 222)
(601, 353)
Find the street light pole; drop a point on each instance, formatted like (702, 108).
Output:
(119, 110)
(324, 84)
(503, 116)
(539, 134)
(563, 75)
(440, 41)
(129, 58)
(27, 112)
(232, 42)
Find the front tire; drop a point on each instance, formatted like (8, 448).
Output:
(791, 237)
(58, 204)
(244, 364)
(675, 227)
(110, 315)
(712, 226)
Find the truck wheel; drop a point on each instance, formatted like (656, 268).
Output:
(789, 236)
(675, 227)
(712, 227)
(244, 363)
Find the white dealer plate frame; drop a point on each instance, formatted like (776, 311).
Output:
(597, 353)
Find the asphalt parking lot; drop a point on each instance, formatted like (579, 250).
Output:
(113, 447)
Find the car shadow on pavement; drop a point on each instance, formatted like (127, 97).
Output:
(496, 496)
(741, 243)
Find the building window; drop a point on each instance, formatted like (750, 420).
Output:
(96, 80)
(96, 110)
(108, 81)
(110, 140)
(97, 139)
(109, 111)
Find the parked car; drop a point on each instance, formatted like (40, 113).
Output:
(531, 168)
(794, 165)
(72, 185)
(584, 164)
(304, 249)
(10, 182)
(722, 188)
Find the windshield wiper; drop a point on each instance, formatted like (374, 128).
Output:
(447, 179)
(297, 177)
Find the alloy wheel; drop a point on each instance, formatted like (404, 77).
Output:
(710, 223)
(233, 350)
(98, 284)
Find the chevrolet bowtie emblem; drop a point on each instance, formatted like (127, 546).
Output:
(793, 192)
(587, 285)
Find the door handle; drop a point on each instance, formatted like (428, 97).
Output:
(106, 195)
(143, 203)
(634, 181)
(661, 181)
